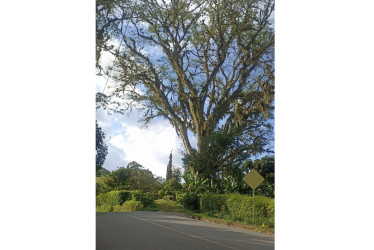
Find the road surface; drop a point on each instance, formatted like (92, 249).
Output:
(161, 230)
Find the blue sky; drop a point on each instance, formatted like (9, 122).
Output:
(128, 140)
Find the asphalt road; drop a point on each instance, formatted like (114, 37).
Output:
(161, 230)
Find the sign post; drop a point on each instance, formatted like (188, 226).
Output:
(253, 179)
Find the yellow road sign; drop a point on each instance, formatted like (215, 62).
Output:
(253, 179)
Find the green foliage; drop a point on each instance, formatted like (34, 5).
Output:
(101, 186)
(131, 205)
(133, 177)
(189, 200)
(213, 203)
(113, 198)
(117, 179)
(170, 188)
(239, 208)
(118, 201)
(141, 179)
(225, 173)
(146, 199)
(161, 193)
(172, 185)
(195, 184)
(105, 208)
(265, 167)
(230, 178)
(212, 158)
(176, 173)
(192, 188)
(104, 172)
(112, 181)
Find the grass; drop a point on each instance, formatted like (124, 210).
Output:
(172, 206)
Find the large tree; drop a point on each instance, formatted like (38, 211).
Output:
(205, 66)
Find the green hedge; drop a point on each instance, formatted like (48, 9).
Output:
(113, 198)
(239, 208)
(112, 201)
(131, 205)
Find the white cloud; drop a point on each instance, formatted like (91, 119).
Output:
(115, 158)
(128, 141)
(150, 147)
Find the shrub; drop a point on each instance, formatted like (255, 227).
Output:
(131, 205)
(104, 208)
(113, 201)
(146, 199)
(172, 185)
(101, 186)
(112, 198)
(161, 193)
(213, 203)
(239, 208)
(189, 200)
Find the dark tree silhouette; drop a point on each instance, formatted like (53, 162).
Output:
(169, 171)
(101, 149)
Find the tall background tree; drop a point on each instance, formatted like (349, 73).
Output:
(205, 66)
(101, 149)
(169, 171)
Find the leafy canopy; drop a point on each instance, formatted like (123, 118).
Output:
(133, 177)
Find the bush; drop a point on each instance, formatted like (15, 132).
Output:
(113, 201)
(147, 199)
(161, 193)
(172, 185)
(214, 203)
(101, 186)
(189, 200)
(112, 198)
(239, 208)
(131, 205)
(104, 208)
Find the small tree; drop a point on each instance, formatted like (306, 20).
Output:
(177, 173)
(171, 186)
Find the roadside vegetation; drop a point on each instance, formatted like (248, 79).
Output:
(135, 188)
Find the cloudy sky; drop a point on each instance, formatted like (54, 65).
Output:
(128, 140)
